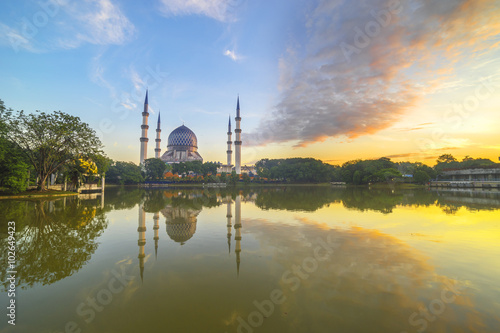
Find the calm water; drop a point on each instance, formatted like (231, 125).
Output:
(260, 260)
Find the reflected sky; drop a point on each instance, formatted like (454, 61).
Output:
(214, 260)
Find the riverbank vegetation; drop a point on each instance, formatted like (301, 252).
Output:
(37, 145)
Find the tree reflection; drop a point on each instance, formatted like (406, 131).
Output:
(297, 198)
(54, 239)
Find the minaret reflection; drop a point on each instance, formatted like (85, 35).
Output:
(142, 237)
(229, 224)
(237, 227)
(156, 218)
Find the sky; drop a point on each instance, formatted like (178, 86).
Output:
(335, 80)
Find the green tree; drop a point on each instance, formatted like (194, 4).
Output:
(183, 168)
(50, 140)
(13, 164)
(155, 168)
(124, 173)
(387, 175)
(356, 178)
(446, 158)
(209, 168)
(233, 178)
(246, 178)
(421, 177)
(102, 162)
(13, 167)
(223, 177)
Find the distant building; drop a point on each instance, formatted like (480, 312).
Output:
(474, 178)
(480, 174)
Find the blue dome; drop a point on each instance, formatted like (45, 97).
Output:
(182, 136)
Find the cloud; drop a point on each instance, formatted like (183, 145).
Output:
(362, 65)
(232, 54)
(59, 24)
(136, 79)
(99, 22)
(16, 39)
(220, 10)
(96, 74)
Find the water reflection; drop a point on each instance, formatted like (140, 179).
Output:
(337, 268)
(371, 282)
(55, 238)
(180, 211)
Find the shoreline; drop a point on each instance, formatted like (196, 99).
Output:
(398, 186)
(24, 195)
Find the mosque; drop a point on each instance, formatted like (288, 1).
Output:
(183, 144)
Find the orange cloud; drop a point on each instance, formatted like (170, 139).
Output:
(332, 92)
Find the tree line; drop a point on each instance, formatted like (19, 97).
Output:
(359, 172)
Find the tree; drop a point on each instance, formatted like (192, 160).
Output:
(421, 177)
(446, 158)
(233, 178)
(209, 168)
(387, 175)
(155, 168)
(223, 177)
(102, 162)
(356, 178)
(124, 173)
(13, 167)
(49, 140)
(77, 169)
(13, 163)
(246, 178)
(179, 168)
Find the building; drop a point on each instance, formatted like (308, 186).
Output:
(478, 177)
(182, 146)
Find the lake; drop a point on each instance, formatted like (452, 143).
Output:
(277, 259)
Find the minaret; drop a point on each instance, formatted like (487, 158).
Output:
(156, 218)
(237, 142)
(229, 151)
(237, 227)
(144, 128)
(229, 225)
(158, 139)
(142, 238)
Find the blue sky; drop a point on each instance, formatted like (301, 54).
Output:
(306, 87)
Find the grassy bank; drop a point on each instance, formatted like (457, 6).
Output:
(395, 185)
(35, 194)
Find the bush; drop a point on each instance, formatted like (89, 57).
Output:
(421, 177)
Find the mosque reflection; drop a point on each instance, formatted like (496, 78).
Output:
(371, 279)
(181, 214)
